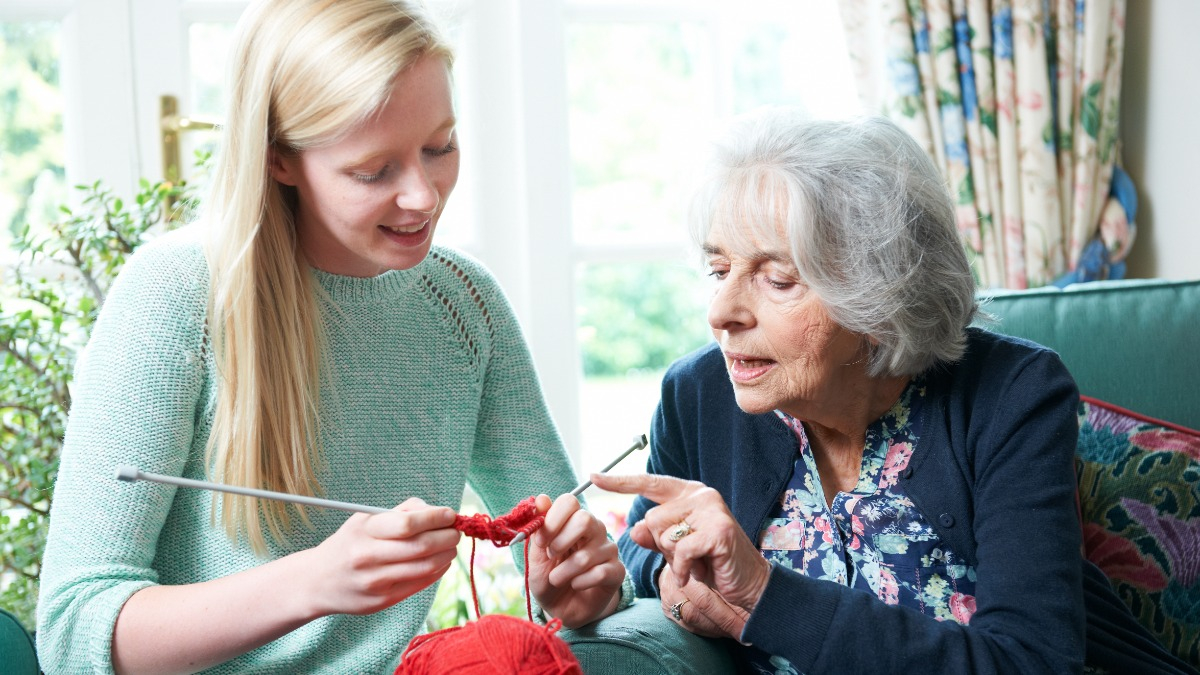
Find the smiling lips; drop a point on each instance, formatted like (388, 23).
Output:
(411, 235)
(406, 229)
(745, 368)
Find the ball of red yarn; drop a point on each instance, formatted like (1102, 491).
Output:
(494, 644)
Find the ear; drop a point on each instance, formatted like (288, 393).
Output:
(283, 167)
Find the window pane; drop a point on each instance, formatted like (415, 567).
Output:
(32, 178)
(639, 101)
(634, 319)
(791, 53)
(208, 50)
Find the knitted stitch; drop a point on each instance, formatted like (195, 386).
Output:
(431, 387)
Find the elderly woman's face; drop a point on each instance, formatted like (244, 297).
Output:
(781, 348)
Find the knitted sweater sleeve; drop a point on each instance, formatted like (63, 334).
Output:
(135, 402)
(1019, 434)
(518, 451)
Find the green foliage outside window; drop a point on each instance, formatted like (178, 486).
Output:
(636, 318)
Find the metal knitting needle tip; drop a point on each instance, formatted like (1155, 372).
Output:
(639, 442)
(131, 474)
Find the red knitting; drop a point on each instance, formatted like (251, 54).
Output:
(524, 518)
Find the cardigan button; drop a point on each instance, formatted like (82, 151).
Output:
(908, 473)
(946, 520)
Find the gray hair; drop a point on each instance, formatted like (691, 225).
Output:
(870, 225)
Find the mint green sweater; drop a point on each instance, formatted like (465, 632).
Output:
(433, 388)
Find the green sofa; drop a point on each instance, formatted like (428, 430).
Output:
(1133, 347)
(16, 647)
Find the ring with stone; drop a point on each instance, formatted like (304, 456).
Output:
(679, 531)
(675, 610)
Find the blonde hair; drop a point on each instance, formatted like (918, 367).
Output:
(303, 73)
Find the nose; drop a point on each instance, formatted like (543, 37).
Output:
(730, 308)
(416, 192)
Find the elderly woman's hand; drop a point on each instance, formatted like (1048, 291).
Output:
(695, 531)
(699, 608)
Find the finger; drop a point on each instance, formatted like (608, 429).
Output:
(581, 575)
(560, 513)
(409, 578)
(643, 536)
(404, 522)
(683, 557)
(371, 553)
(582, 530)
(718, 613)
(583, 561)
(655, 487)
(431, 566)
(542, 503)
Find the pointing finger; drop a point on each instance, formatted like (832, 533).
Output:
(656, 488)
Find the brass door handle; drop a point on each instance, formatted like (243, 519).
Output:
(171, 125)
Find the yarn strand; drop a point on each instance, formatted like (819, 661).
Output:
(494, 644)
(524, 518)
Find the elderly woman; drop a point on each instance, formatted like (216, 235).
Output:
(852, 479)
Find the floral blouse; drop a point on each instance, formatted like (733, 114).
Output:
(872, 538)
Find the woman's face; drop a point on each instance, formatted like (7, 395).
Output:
(370, 202)
(782, 351)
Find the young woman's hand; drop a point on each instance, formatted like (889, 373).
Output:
(574, 572)
(374, 561)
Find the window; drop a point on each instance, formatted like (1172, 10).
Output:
(32, 179)
(648, 83)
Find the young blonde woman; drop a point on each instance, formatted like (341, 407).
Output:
(305, 337)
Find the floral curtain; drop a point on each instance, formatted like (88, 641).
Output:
(1017, 102)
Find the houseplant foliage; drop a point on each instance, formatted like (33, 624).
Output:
(48, 303)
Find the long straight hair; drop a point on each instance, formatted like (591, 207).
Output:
(303, 73)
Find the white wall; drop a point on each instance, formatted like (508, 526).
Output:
(1160, 133)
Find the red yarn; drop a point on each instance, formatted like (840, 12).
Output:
(496, 644)
(501, 531)
(524, 518)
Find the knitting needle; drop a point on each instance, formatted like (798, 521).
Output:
(131, 474)
(639, 442)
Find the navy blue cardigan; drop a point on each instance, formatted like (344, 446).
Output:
(992, 471)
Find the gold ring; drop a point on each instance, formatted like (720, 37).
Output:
(679, 531)
(675, 610)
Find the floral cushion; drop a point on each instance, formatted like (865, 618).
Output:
(1139, 491)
